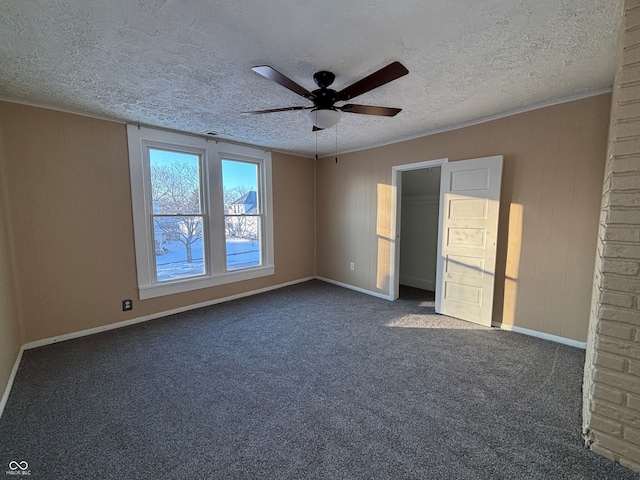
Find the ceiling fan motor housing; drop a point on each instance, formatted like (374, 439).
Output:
(323, 78)
(324, 98)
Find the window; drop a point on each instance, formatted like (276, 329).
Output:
(243, 213)
(176, 210)
(201, 211)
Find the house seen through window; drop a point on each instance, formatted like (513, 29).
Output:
(242, 214)
(201, 211)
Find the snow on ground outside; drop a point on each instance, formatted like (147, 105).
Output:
(241, 253)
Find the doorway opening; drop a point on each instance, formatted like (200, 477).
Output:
(420, 200)
(415, 220)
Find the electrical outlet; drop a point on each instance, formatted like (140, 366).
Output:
(127, 305)
(352, 266)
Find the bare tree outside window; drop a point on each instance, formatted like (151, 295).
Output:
(176, 204)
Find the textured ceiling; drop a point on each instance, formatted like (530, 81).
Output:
(186, 65)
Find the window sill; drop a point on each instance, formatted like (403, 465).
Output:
(180, 286)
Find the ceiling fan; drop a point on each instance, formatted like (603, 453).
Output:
(324, 112)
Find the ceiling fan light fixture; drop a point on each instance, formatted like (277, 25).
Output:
(324, 117)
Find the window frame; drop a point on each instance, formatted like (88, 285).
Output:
(147, 146)
(211, 152)
(259, 201)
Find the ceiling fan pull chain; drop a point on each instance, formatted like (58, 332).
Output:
(336, 143)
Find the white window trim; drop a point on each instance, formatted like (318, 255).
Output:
(213, 152)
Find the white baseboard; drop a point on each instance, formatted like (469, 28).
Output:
(153, 316)
(512, 328)
(357, 289)
(545, 336)
(7, 390)
(126, 323)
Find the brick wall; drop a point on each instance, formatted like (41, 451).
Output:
(611, 409)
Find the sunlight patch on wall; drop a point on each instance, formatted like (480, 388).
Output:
(384, 232)
(512, 270)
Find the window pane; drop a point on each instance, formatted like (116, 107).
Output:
(240, 187)
(242, 209)
(242, 238)
(178, 247)
(175, 182)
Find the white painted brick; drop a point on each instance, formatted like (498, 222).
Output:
(606, 425)
(621, 381)
(624, 94)
(600, 450)
(610, 394)
(619, 347)
(629, 73)
(614, 282)
(630, 434)
(628, 146)
(630, 15)
(625, 164)
(634, 367)
(618, 299)
(597, 278)
(631, 55)
(609, 164)
(617, 330)
(633, 401)
(617, 199)
(621, 447)
(629, 93)
(607, 360)
(612, 377)
(620, 267)
(621, 250)
(620, 315)
(627, 216)
(625, 182)
(606, 184)
(627, 111)
(625, 462)
(622, 234)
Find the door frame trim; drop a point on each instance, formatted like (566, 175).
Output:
(396, 205)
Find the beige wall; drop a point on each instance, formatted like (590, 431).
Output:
(10, 338)
(552, 180)
(67, 179)
(611, 408)
(67, 191)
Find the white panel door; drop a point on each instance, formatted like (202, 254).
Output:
(468, 226)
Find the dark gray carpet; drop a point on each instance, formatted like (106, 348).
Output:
(310, 381)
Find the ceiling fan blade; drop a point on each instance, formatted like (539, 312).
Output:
(274, 75)
(273, 110)
(370, 110)
(375, 80)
